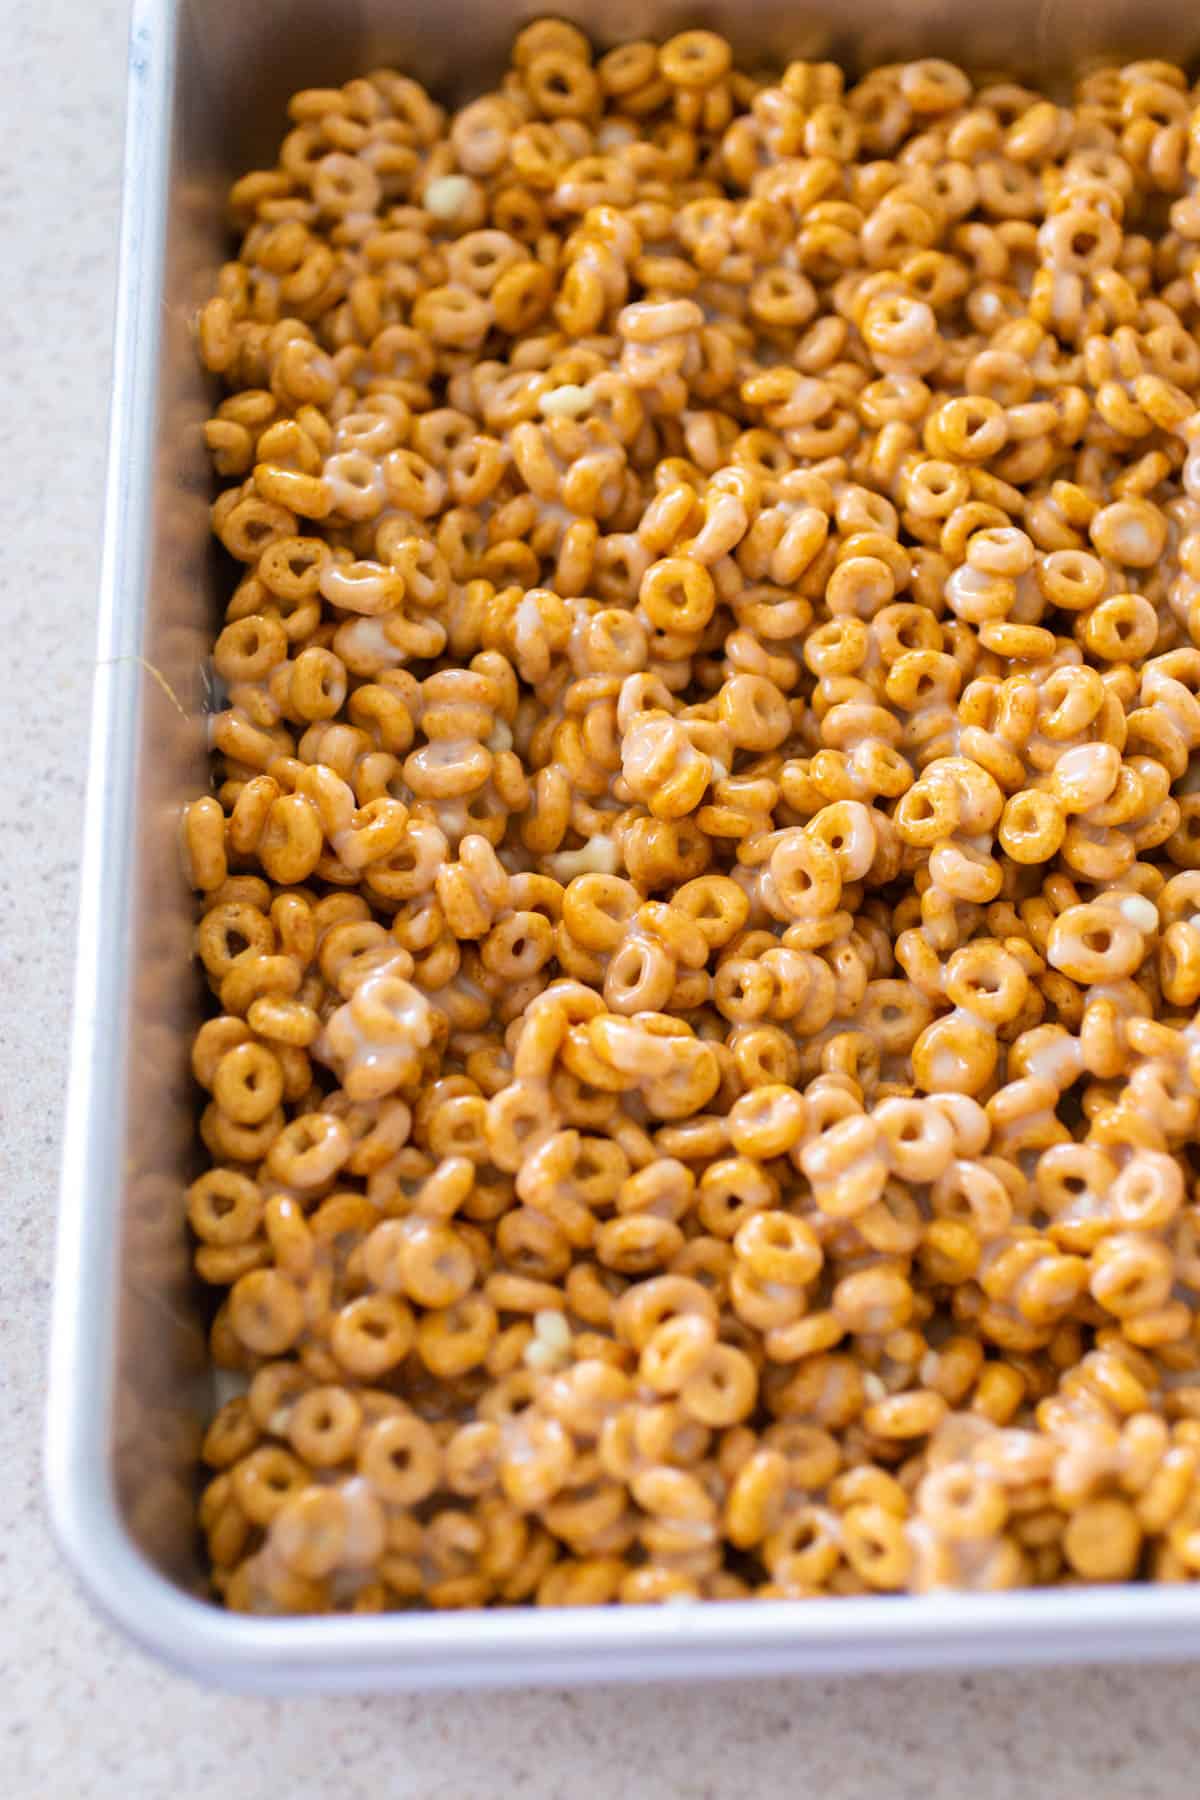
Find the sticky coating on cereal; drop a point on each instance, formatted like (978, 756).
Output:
(701, 887)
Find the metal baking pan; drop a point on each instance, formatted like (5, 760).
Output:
(128, 1382)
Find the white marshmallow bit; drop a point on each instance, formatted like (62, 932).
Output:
(550, 1345)
(447, 195)
(552, 1328)
(1140, 912)
(597, 857)
(566, 402)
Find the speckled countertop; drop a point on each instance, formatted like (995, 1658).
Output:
(82, 1714)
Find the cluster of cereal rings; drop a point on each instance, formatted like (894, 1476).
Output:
(702, 891)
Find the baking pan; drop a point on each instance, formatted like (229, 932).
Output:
(129, 1388)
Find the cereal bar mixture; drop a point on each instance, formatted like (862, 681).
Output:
(701, 888)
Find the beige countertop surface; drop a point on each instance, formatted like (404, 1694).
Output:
(81, 1713)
